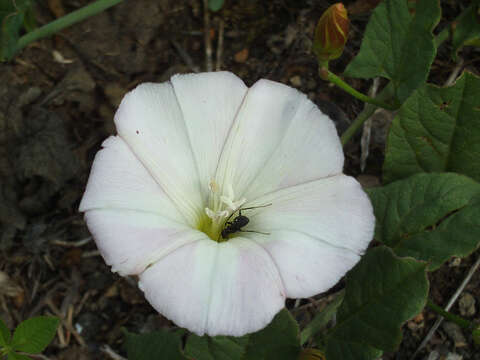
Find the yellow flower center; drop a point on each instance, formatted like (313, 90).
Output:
(221, 207)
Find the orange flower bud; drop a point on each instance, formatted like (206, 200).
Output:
(331, 33)
(311, 354)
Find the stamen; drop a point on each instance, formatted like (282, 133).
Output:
(215, 215)
(213, 186)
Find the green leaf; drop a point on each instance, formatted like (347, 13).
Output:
(429, 216)
(161, 344)
(398, 46)
(467, 28)
(436, 130)
(349, 350)
(278, 341)
(13, 15)
(321, 319)
(382, 292)
(4, 334)
(216, 348)
(14, 356)
(215, 5)
(34, 334)
(476, 336)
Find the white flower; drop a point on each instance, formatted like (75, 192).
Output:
(189, 153)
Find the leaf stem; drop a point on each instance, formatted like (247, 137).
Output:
(442, 36)
(328, 75)
(357, 123)
(368, 111)
(65, 21)
(449, 316)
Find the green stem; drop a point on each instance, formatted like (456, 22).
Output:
(442, 36)
(344, 86)
(357, 123)
(65, 21)
(368, 111)
(451, 317)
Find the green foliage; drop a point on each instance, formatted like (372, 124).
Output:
(436, 130)
(13, 16)
(278, 341)
(321, 319)
(476, 336)
(4, 334)
(429, 216)
(215, 5)
(31, 336)
(161, 344)
(382, 292)
(387, 49)
(467, 28)
(216, 348)
(16, 356)
(34, 334)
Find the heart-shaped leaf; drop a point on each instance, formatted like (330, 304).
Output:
(429, 216)
(161, 344)
(398, 46)
(382, 292)
(216, 348)
(437, 130)
(278, 341)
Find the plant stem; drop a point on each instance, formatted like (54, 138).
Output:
(65, 21)
(328, 75)
(357, 123)
(368, 111)
(442, 36)
(449, 316)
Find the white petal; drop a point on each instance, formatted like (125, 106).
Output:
(150, 121)
(118, 180)
(229, 288)
(317, 231)
(130, 241)
(209, 102)
(279, 139)
(307, 266)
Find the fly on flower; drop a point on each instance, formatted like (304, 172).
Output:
(231, 227)
(162, 190)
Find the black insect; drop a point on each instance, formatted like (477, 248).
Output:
(238, 223)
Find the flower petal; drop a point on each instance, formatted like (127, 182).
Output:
(317, 231)
(150, 121)
(280, 138)
(118, 180)
(307, 266)
(209, 103)
(229, 288)
(130, 241)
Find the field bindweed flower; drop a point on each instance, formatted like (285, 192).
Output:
(191, 152)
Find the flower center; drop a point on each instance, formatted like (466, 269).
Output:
(220, 211)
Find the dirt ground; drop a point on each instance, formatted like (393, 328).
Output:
(57, 101)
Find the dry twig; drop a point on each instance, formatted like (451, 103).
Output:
(112, 354)
(447, 308)
(221, 30)
(208, 39)
(184, 55)
(367, 129)
(65, 322)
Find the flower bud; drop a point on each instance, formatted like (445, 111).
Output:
(331, 33)
(311, 354)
